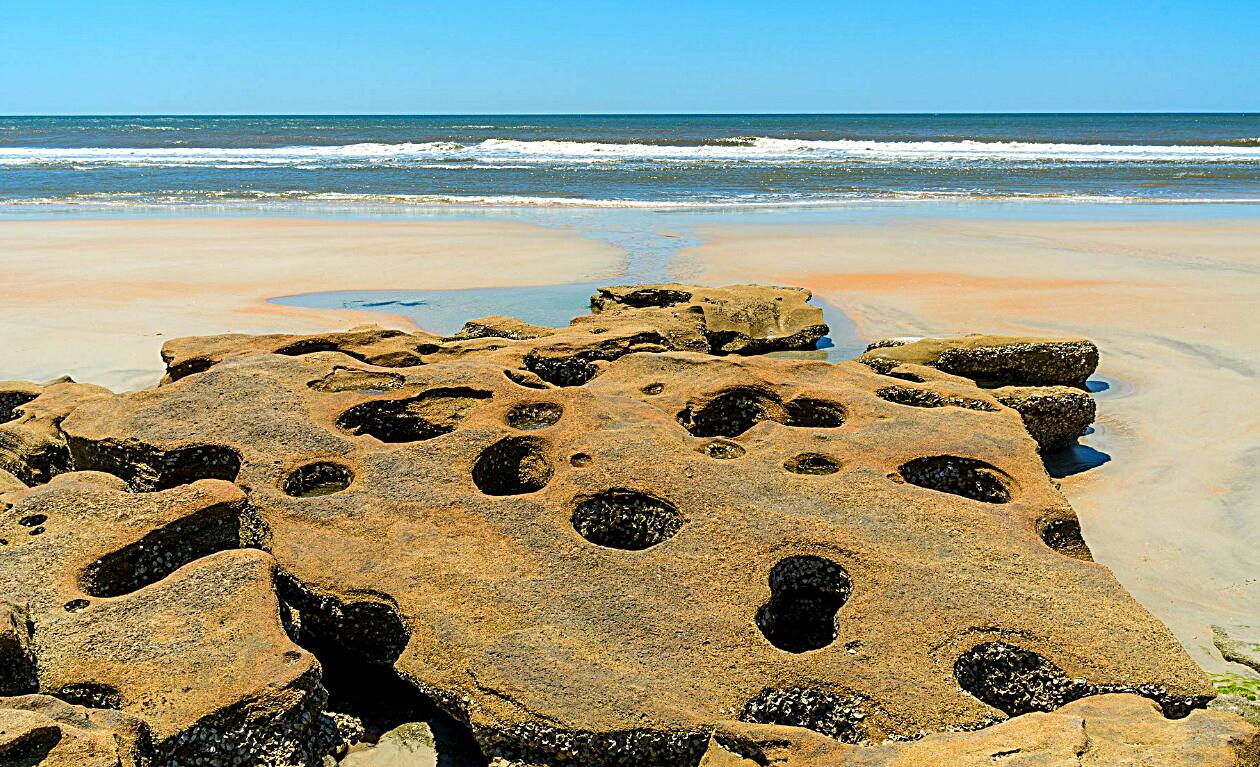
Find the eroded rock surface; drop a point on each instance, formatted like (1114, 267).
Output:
(1106, 731)
(590, 544)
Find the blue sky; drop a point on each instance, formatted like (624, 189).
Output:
(265, 56)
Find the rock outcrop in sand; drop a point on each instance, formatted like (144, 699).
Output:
(596, 545)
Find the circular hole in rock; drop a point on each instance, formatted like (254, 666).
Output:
(33, 520)
(812, 463)
(653, 388)
(37, 531)
(580, 460)
(512, 466)
(967, 477)
(723, 450)
(1014, 680)
(805, 594)
(730, 413)
(626, 519)
(814, 413)
(1064, 536)
(316, 479)
(534, 415)
(76, 605)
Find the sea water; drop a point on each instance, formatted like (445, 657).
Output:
(650, 161)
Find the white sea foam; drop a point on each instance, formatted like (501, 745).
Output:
(760, 150)
(194, 198)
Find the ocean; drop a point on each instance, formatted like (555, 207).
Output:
(648, 161)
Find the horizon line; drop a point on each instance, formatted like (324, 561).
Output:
(613, 114)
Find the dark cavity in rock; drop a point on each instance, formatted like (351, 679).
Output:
(216, 528)
(967, 477)
(316, 479)
(730, 413)
(10, 401)
(805, 594)
(909, 395)
(534, 415)
(425, 416)
(812, 463)
(808, 412)
(1018, 681)
(512, 466)
(626, 519)
(723, 450)
(1064, 536)
(836, 716)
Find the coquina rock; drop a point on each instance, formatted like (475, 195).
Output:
(590, 546)
(1106, 731)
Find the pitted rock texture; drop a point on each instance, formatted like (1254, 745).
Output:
(1104, 731)
(738, 319)
(39, 729)
(994, 361)
(591, 546)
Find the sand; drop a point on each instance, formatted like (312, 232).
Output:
(1173, 306)
(96, 298)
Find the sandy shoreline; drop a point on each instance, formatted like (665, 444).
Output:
(1174, 514)
(1170, 304)
(95, 299)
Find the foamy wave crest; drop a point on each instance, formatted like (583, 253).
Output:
(752, 149)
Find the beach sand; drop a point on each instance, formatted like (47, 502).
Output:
(96, 298)
(1176, 512)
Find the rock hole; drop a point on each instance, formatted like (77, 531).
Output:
(522, 378)
(653, 389)
(316, 479)
(907, 395)
(365, 623)
(146, 468)
(809, 412)
(76, 605)
(723, 450)
(580, 460)
(812, 463)
(626, 519)
(91, 695)
(33, 520)
(512, 466)
(10, 401)
(428, 415)
(1064, 536)
(534, 415)
(220, 527)
(833, 715)
(573, 370)
(380, 699)
(730, 413)
(37, 531)
(967, 477)
(310, 346)
(805, 594)
(1018, 681)
(188, 367)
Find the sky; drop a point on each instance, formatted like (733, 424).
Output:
(388, 57)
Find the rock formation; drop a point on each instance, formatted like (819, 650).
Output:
(588, 545)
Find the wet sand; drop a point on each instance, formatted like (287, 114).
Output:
(96, 298)
(1173, 307)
